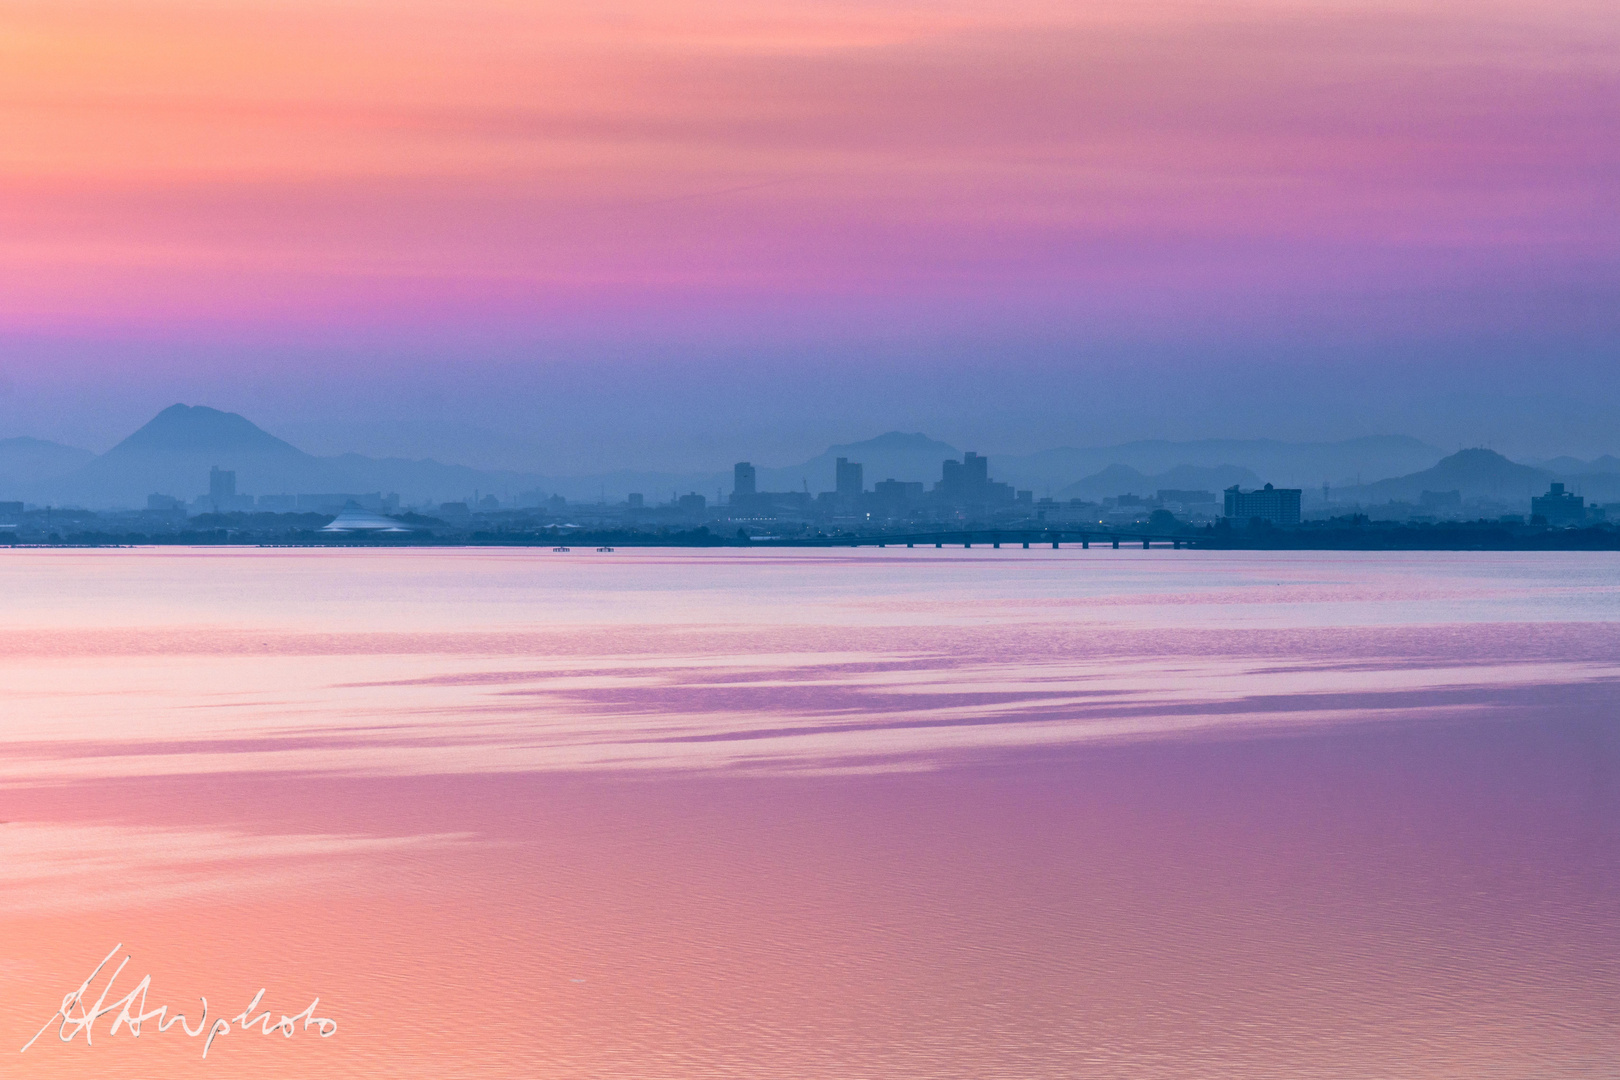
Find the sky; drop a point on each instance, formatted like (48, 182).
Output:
(639, 233)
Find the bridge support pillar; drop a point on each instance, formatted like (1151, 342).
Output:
(1054, 545)
(1116, 545)
(967, 543)
(1085, 545)
(1144, 545)
(910, 545)
(996, 545)
(1026, 545)
(1176, 544)
(939, 545)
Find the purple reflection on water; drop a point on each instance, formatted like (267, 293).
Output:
(1371, 832)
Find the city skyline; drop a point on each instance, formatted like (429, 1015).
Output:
(183, 444)
(184, 441)
(967, 503)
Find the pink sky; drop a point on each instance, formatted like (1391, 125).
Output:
(195, 171)
(301, 161)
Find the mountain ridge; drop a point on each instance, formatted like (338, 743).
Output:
(172, 454)
(1475, 472)
(1125, 480)
(25, 460)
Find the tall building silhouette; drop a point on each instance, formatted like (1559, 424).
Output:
(975, 470)
(968, 481)
(742, 482)
(849, 479)
(221, 484)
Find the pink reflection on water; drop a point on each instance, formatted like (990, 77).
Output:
(969, 816)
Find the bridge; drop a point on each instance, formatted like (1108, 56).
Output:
(994, 538)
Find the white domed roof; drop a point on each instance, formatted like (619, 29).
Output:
(353, 519)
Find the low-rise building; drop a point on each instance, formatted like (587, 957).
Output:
(1279, 506)
(1558, 507)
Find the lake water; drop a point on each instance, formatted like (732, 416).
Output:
(783, 814)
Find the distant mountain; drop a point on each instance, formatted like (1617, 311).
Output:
(1477, 473)
(26, 462)
(1569, 466)
(173, 453)
(189, 429)
(1274, 461)
(1124, 480)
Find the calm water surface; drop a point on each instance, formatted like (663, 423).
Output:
(819, 814)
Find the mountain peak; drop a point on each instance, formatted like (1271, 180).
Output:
(898, 442)
(1478, 456)
(190, 429)
(1479, 465)
(1474, 471)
